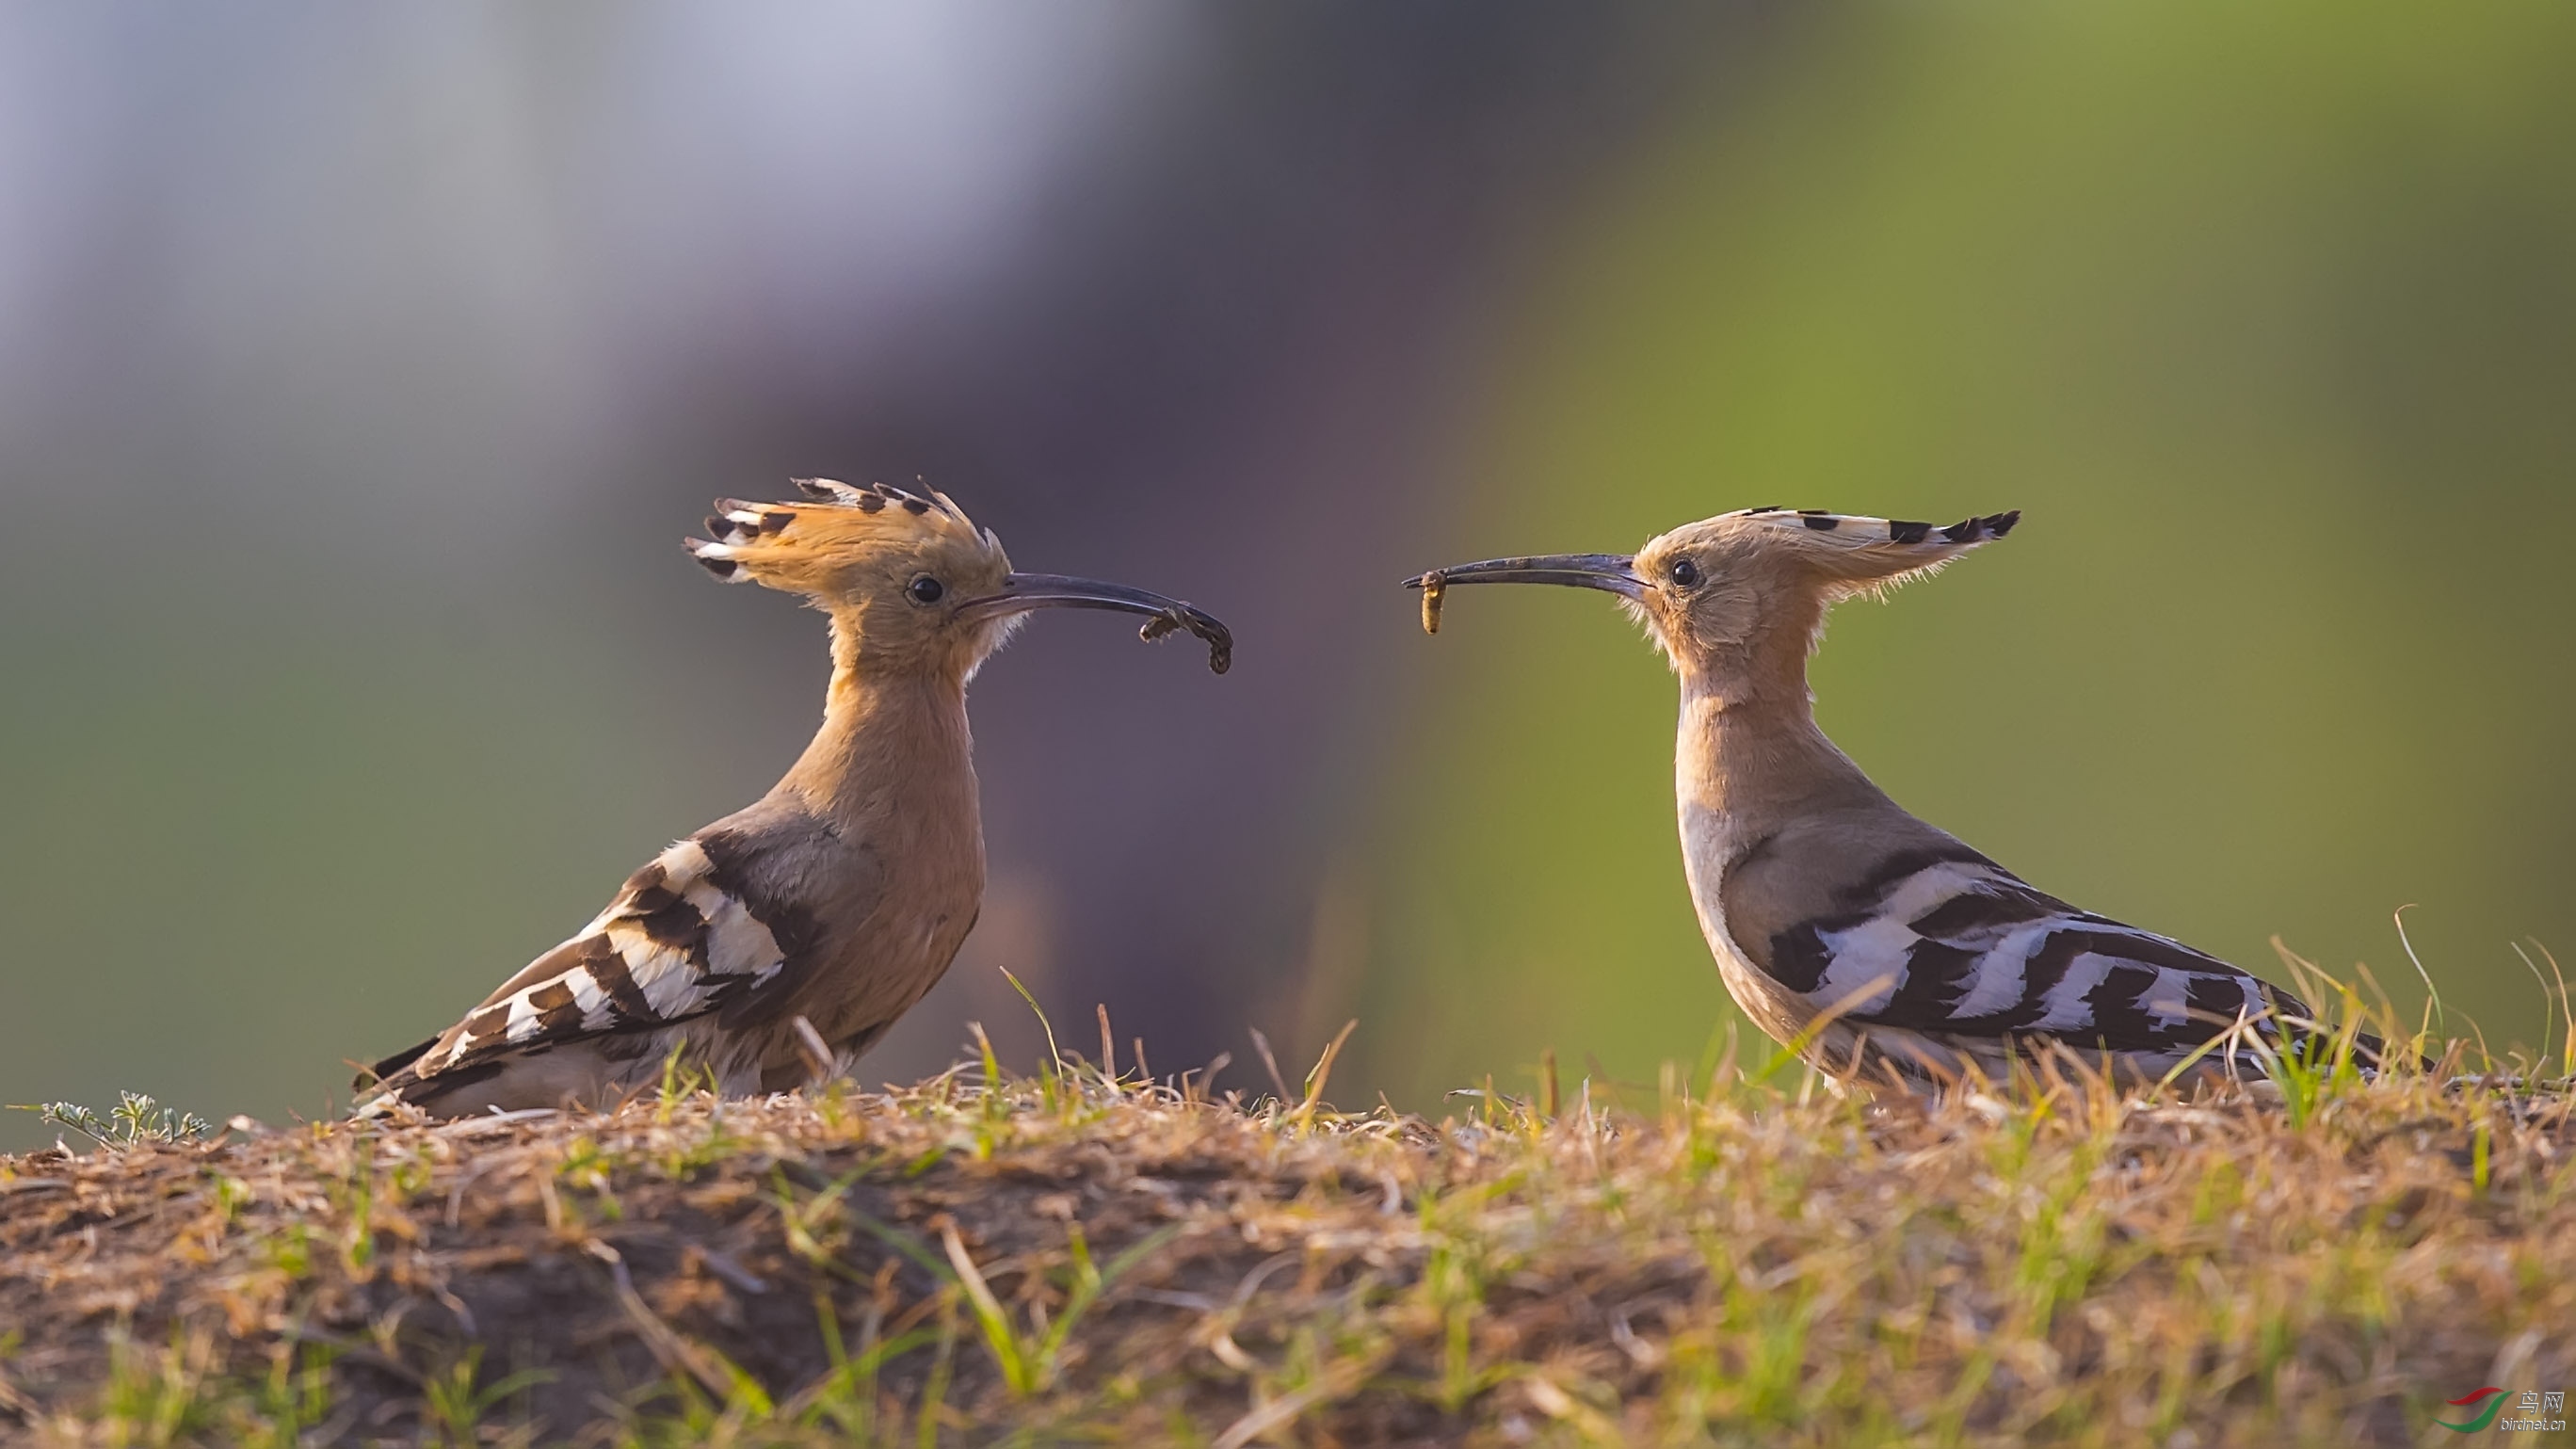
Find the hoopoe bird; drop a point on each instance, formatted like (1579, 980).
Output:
(771, 948)
(1886, 950)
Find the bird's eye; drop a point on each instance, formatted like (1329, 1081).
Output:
(925, 590)
(1684, 572)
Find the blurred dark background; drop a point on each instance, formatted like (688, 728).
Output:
(360, 369)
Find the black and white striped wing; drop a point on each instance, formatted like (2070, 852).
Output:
(1955, 947)
(680, 940)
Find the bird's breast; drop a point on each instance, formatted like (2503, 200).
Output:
(1709, 841)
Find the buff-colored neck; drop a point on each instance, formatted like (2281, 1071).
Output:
(1749, 747)
(885, 731)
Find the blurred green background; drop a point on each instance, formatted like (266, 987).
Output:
(2266, 317)
(359, 374)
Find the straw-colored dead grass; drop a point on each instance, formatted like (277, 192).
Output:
(1069, 1258)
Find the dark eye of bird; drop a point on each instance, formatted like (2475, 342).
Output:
(1685, 573)
(925, 590)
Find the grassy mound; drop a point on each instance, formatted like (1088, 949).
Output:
(1071, 1257)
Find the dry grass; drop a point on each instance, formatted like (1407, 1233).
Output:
(1072, 1257)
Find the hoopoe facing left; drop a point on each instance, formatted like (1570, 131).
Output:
(1887, 950)
(771, 948)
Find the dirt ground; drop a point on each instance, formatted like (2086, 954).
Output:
(1071, 1259)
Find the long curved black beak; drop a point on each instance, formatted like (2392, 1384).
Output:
(1021, 593)
(1615, 572)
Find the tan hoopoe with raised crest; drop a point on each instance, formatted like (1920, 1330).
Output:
(1886, 948)
(774, 946)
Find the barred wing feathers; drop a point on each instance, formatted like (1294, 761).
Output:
(1948, 945)
(685, 936)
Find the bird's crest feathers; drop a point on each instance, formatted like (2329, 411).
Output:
(1860, 553)
(801, 547)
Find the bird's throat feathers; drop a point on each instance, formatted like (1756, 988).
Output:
(862, 658)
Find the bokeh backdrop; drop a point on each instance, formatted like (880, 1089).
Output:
(360, 368)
